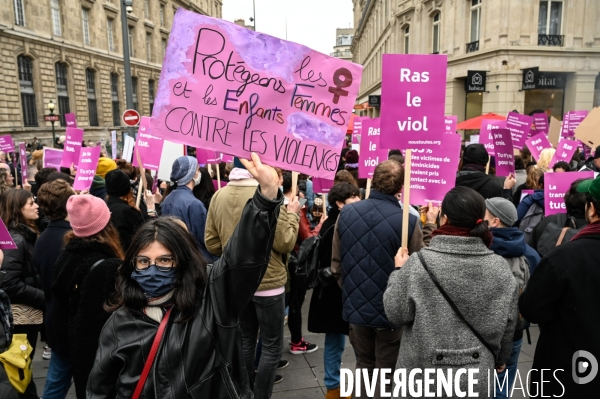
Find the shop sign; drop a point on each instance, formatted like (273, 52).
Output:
(475, 82)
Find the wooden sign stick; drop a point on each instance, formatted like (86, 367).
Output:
(142, 186)
(294, 184)
(218, 176)
(406, 198)
(324, 204)
(487, 167)
(368, 191)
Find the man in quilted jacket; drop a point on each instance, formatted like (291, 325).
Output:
(367, 236)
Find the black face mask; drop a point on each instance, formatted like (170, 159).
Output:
(153, 282)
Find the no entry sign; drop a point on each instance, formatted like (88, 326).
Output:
(131, 117)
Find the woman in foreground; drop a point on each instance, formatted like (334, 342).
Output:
(164, 276)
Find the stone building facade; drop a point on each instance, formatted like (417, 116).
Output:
(70, 52)
(343, 41)
(502, 39)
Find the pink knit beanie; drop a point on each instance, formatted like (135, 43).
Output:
(88, 214)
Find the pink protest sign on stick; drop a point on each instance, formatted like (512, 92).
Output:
(73, 139)
(6, 143)
(357, 129)
(505, 156)
(321, 186)
(149, 146)
(86, 167)
(541, 122)
(52, 157)
(370, 153)
(564, 151)
(433, 169)
(564, 129)
(70, 120)
(519, 126)
(574, 120)
(486, 136)
(450, 122)
(6, 241)
(537, 144)
(556, 185)
(206, 156)
(229, 89)
(413, 97)
(226, 158)
(23, 161)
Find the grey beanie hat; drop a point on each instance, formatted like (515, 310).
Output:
(503, 209)
(183, 170)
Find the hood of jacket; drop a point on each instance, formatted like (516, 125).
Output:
(538, 197)
(508, 242)
(472, 179)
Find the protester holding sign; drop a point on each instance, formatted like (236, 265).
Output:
(472, 173)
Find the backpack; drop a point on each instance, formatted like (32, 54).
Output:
(557, 233)
(534, 215)
(307, 270)
(519, 266)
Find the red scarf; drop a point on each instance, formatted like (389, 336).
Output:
(448, 230)
(592, 229)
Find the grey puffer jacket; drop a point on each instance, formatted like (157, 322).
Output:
(484, 290)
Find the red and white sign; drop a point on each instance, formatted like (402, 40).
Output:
(131, 117)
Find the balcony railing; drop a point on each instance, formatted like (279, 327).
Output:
(341, 54)
(551, 40)
(473, 46)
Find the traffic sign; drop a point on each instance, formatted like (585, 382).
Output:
(51, 118)
(131, 117)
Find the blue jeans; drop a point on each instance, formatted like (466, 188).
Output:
(511, 369)
(58, 380)
(334, 349)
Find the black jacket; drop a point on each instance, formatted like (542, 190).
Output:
(487, 186)
(125, 218)
(562, 296)
(22, 283)
(46, 251)
(83, 294)
(539, 230)
(201, 358)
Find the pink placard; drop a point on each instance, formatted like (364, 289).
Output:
(86, 168)
(541, 122)
(52, 157)
(505, 156)
(6, 241)
(206, 156)
(433, 168)
(564, 128)
(564, 151)
(537, 144)
(486, 136)
(226, 158)
(149, 146)
(556, 185)
(450, 122)
(70, 120)
(23, 161)
(6, 143)
(519, 126)
(413, 98)
(73, 139)
(357, 129)
(321, 186)
(525, 193)
(574, 120)
(370, 153)
(229, 89)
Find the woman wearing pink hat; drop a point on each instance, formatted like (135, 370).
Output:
(84, 278)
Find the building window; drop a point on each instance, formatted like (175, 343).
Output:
(27, 93)
(56, 28)
(19, 13)
(114, 94)
(436, 33)
(475, 20)
(406, 40)
(149, 47)
(85, 16)
(162, 15)
(62, 91)
(134, 87)
(151, 94)
(130, 39)
(110, 28)
(163, 47)
(90, 79)
(146, 10)
(550, 21)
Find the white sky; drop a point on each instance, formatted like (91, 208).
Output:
(309, 22)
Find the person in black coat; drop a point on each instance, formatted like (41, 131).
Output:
(84, 279)
(472, 173)
(325, 312)
(562, 296)
(52, 199)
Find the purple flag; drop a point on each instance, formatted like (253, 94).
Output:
(86, 167)
(556, 185)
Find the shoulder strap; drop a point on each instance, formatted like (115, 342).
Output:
(95, 264)
(153, 350)
(562, 236)
(453, 305)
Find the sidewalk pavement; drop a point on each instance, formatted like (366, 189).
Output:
(303, 378)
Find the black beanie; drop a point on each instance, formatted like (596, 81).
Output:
(117, 183)
(475, 154)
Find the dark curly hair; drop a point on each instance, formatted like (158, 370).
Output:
(52, 197)
(341, 192)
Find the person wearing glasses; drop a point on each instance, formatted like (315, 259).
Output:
(165, 279)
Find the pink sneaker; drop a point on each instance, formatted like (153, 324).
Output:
(302, 347)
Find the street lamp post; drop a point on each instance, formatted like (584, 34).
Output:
(51, 109)
(126, 8)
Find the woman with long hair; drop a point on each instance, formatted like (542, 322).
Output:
(545, 158)
(476, 281)
(164, 281)
(84, 278)
(205, 190)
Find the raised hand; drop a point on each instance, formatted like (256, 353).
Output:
(264, 174)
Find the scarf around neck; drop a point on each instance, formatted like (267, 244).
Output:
(448, 230)
(156, 306)
(592, 229)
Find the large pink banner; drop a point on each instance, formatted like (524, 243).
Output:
(505, 156)
(564, 151)
(413, 97)
(86, 167)
(541, 122)
(148, 146)
(556, 186)
(6, 143)
(519, 126)
(73, 139)
(486, 133)
(229, 89)
(537, 144)
(370, 153)
(450, 122)
(433, 169)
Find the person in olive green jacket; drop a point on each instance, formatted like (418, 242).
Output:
(266, 309)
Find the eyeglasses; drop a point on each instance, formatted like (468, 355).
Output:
(163, 263)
